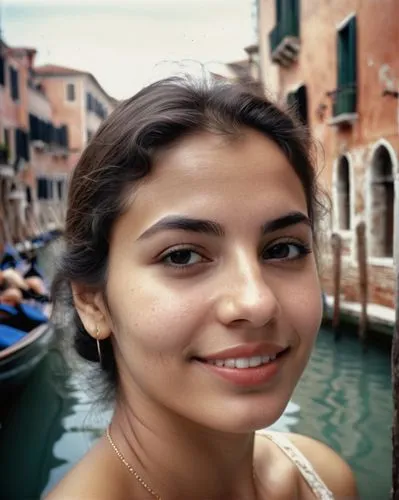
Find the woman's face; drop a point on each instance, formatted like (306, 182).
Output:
(211, 276)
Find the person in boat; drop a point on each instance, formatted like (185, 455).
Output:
(191, 263)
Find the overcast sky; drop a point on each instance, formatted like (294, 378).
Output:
(131, 42)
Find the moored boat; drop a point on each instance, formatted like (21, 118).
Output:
(19, 360)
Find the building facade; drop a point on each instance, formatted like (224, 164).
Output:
(47, 116)
(336, 63)
(78, 100)
(21, 161)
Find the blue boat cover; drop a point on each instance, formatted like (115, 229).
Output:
(9, 335)
(31, 312)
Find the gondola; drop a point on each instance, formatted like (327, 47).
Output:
(19, 360)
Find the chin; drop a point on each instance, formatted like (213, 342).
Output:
(250, 419)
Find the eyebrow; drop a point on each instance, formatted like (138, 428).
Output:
(290, 219)
(204, 226)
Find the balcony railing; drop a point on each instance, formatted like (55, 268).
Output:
(345, 100)
(344, 107)
(284, 38)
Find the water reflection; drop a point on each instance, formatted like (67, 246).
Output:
(345, 400)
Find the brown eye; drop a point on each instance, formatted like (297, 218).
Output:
(181, 258)
(285, 251)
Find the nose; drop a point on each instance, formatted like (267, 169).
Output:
(247, 297)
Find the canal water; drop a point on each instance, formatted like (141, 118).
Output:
(344, 399)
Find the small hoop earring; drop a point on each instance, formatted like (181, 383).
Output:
(100, 358)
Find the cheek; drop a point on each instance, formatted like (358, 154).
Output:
(152, 317)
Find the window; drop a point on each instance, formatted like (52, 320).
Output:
(382, 203)
(63, 136)
(2, 71)
(284, 38)
(14, 84)
(28, 194)
(34, 128)
(42, 189)
(299, 101)
(7, 139)
(343, 194)
(70, 91)
(21, 144)
(345, 99)
(60, 190)
(89, 102)
(40, 130)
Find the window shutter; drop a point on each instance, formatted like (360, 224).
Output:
(296, 15)
(41, 188)
(302, 96)
(25, 146)
(64, 136)
(17, 143)
(341, 59)
(14, 84)
(279, 11)
(2, 70)
(352, 50)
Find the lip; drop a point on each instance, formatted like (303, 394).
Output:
(247, 377)
(246, 351)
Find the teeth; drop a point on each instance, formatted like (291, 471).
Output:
(241, 363)
(255, 361)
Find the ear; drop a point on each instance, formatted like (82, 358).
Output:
(92, 311)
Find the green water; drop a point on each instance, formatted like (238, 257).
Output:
(344, 399)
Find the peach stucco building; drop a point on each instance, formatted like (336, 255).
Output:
(78, 100)
(47, 116)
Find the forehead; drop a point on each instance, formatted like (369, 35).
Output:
(211, 174)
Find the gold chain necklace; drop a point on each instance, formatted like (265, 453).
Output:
(130, 468)
(134, 472)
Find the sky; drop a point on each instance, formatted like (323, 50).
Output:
(126, 44)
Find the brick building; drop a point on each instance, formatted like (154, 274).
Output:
(337, 63)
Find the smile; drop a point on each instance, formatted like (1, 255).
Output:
(246, 371)
(242, 363)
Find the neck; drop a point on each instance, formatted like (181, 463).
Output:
(179, 459)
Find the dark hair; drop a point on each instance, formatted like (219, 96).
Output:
(123, 151)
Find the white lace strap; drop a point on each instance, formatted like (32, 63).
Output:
(315, 482)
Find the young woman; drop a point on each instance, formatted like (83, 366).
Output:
(190, 262)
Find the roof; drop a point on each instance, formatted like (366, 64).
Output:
(29, 50)
(252, 49)
(49, 70)
(242, 65)
(55, 70)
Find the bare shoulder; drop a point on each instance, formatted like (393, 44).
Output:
(93, 478)
(332, 469)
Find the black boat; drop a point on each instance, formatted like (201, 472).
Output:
(19, 360)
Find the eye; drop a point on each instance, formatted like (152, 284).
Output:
(286, 251)
(182, 258)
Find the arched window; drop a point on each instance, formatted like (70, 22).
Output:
(382, 203)
(343, 194)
